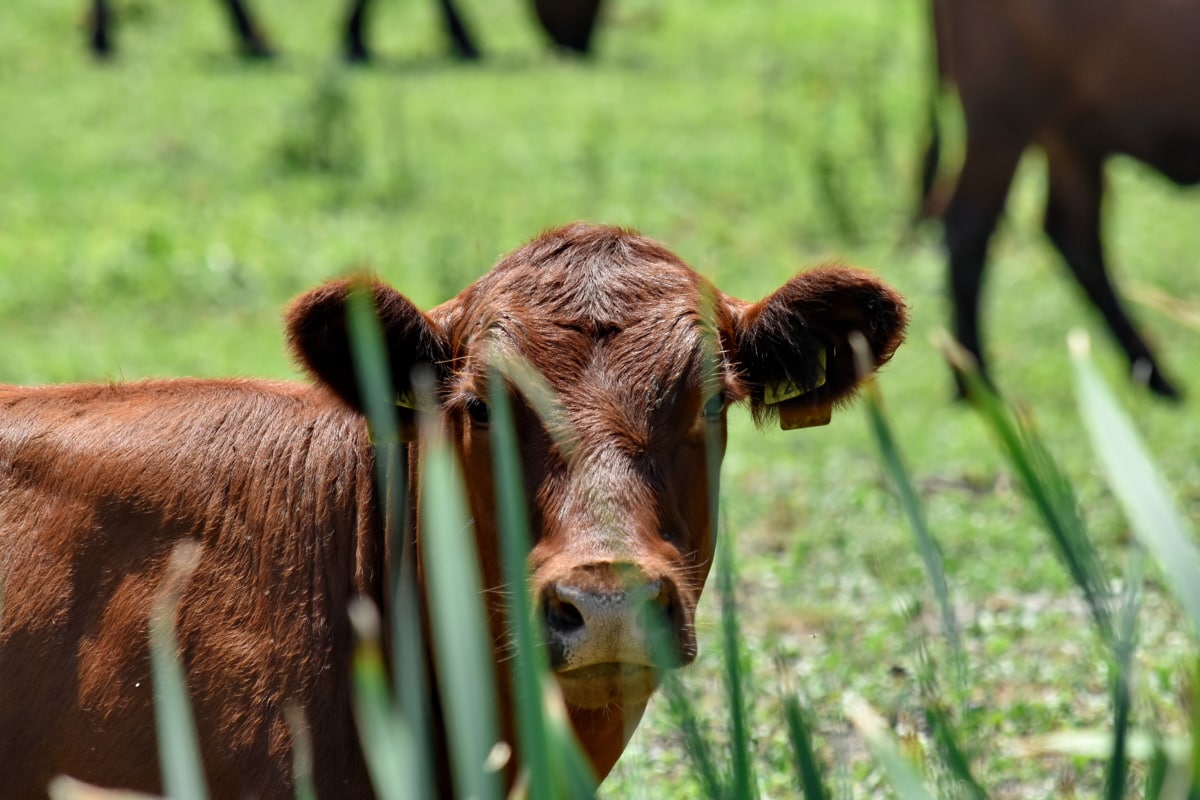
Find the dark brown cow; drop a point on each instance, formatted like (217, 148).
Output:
(98, 483)
(568, 23)
(1083, 80)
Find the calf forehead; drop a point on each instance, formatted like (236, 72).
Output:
(586, 304)
(612, 289)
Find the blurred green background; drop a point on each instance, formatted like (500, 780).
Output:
(156, 213)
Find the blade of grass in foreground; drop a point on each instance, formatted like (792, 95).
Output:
(927, 546)
(388, 747)
(302, 753)
(1195, 731)
(528, 663)
(1156, 522)
(744, 785)
(183, 775)
(64, 788)
(376, 387)
(904, 779)
(1117, 776)
(1140, 489)
(808, 772)
(462, 643)
(935, 569)
(952, 754)
(695, 744)
(545, 755)
(1046, 486)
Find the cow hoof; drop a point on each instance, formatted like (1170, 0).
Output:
(1156, 382)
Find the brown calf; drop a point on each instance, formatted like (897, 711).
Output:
(1083, 80)
(274, 480)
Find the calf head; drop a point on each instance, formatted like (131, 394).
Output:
(640, 358)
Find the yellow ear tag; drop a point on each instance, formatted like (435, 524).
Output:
(802, 415)
(408, 426)
(407, 399)
(776, 392)
(779, 391)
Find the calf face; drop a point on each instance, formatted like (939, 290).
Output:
(640, 359)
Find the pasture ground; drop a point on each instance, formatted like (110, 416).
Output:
(158, 211)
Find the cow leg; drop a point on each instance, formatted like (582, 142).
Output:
(99, 25)
(569, 23)
(460, 38)
(253, 42)
(355, 43)
(1073, 224)
(969, 221)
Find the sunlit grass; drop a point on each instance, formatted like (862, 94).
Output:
(149, 228)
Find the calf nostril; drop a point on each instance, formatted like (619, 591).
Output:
(655, 612)
(660, 615)
(561, 616)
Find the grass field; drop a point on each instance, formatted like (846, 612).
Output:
(158, 211)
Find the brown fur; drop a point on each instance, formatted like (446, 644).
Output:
(98, 483)
(1083, 80)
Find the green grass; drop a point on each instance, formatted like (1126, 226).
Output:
(153, 223)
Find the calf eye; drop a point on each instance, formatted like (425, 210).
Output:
(714, 406)
(478, 410)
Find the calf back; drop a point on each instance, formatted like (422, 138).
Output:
(97, 486)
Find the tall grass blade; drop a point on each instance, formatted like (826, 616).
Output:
(1049, 490)
(554, 765)
(1096, 744)
(808, 771)
(1117, 775)
(410, 677)
(461, 639)
(1139, 488)
(1156, 522)
(743, 783)
(904, 779)
(946, 738)
(927, 546)
(529, 660)
(183, 775)
(62, 787)
(1195, 730)
(939, 720)
(573, 777)
(369, 352)
(695, 744)
(1156, 774)
(302, 753)
(389, 745)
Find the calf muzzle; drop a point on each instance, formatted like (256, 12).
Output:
(609, 629)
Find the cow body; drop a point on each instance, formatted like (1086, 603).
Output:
(568, 23)
(1082, 81)
(97, 486)
(639, 358)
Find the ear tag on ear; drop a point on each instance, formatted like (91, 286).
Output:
(795, 415)
(408, 424)
(407, 399)
(776, 392)
(779, 391)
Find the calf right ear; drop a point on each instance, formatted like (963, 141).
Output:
(320, 340)
(795, 347)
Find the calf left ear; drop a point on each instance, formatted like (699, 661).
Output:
(320, 340)
(793, 348)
